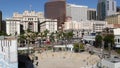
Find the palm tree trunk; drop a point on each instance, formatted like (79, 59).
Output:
(28, 47)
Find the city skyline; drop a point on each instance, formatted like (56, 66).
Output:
(8, 7)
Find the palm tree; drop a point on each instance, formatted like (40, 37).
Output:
(108, 39)
(58, 35)
(21, 39)
(28, 39)
(70, 35)
(52, 39)
(65, 37)
(46, 33)
(41, 36)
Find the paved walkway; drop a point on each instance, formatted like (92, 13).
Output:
(66, 60)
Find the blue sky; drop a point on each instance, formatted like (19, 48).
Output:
(10, 6)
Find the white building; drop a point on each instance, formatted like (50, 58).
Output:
(89, 39)
(8, 52)
(48, 24)
(77, 12)
(98, 26)
(110, 7)
(69, 46)
(12, 27)
(84, 27)
(111, 63)
(117, 37)
(29, 19)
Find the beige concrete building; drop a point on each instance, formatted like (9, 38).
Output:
(48, 24)
(114, 19)
(29, 19)
(92, 26)
(84, 27)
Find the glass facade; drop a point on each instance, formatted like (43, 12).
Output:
(0, 19)
(105, 8)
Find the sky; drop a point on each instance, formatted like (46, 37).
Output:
(8, 7)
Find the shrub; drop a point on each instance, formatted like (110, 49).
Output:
(78, 46)
(118, 51)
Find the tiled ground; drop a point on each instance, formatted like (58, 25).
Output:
(66, 60)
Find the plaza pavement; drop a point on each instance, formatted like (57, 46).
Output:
(50, 59)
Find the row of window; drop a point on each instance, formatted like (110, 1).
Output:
(109, 7)
(30, 19)
(5, 43)
(117, 40)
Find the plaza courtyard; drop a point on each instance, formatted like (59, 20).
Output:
(50, 59)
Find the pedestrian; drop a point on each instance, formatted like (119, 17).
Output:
(37, 63)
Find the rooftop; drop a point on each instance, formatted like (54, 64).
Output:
(74, 5)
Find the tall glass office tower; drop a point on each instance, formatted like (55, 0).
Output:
(0, 19)
(105, 8)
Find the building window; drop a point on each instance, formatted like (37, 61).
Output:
(118, 40)
(113, 6)
(107, 5)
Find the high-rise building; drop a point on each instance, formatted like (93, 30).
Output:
(105, 8)
(91, 14)
(0, 19)
(56, 9)
(77, 12)
(118, 9)
(3, 26)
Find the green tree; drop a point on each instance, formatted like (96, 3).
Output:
(46, 32)
(98, 40)
(70, 35)
(21, 39)
(2, 33)
(58, 35)
(109, 39)
(78, 47)
(52, 39)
